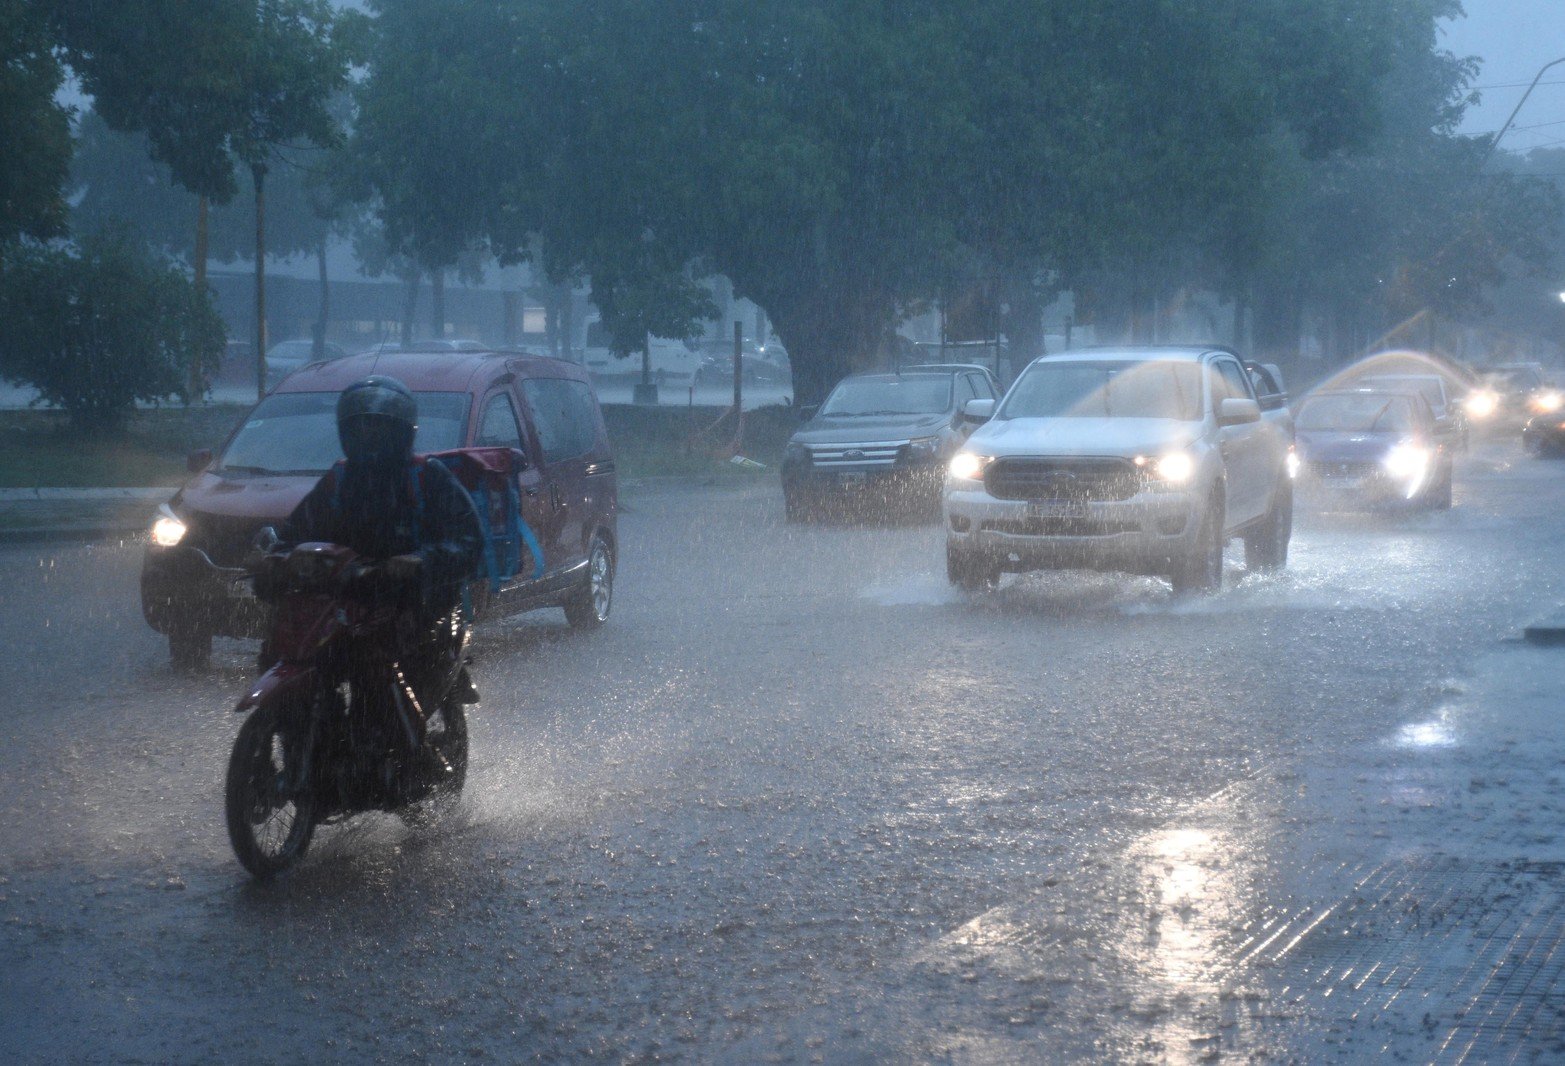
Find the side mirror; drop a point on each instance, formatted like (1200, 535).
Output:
(518, 460)
(1238, 412)
(265, 540)
(977, 411)
(198, 460)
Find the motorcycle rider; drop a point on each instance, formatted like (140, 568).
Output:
(411, 521)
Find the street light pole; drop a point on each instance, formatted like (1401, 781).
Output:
(1517, 110)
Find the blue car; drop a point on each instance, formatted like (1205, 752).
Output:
(1368, 447)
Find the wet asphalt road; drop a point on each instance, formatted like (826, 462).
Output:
(736, 823)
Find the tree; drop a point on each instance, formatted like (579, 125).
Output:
(34, 127)
(98, 330)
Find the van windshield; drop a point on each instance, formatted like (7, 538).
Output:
(296, 432)
(1110, 389)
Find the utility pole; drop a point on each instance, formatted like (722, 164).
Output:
(1517, 110)
(738, 367)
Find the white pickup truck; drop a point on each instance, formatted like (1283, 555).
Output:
(1145, 460)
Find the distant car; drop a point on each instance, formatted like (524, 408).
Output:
(192, 583)
(1146, 460)
(1372, 447)
(1515, 392)
(719, 370)
(881, 439)
(447, 344)
(1544, 435)
(284, 357)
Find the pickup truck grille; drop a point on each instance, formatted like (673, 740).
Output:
(867, 453)
(1097, 479)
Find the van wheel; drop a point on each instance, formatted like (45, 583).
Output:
(189, 650)
(588, 607)
(1266, 546)
(1202, 570)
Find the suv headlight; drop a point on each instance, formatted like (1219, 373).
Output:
(968, 466)
(1547, 401)
(168, 530)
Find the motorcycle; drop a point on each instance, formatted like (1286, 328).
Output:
(335, 727)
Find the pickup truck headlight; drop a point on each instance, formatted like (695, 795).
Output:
(968, 466)
(1174, 468)
(923, 450)
(168, 530)
(796, 453)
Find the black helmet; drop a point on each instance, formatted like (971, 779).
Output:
(376, 419)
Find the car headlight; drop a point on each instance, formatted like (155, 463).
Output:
(1173, 468)
(1482, 404)
(923, 449)
(1409, 462)
(1548, 401)
(968, 466)
(168, 530)
(1292, 462)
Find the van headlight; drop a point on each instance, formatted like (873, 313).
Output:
(968, 466)
(168, 530)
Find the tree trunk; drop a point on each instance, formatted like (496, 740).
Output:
(318, 351)
(259, 174)
(437, 302)
(410, 308)
(197, 383)
(829, 334)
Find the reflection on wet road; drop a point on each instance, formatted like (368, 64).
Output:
(797, 799)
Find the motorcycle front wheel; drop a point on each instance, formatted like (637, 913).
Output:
(270, 822)
(448, 736)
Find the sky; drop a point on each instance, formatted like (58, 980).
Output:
(1514, 38)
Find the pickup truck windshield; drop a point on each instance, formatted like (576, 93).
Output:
(296, 432)
(1368, 413)
(1159, 389)
(923, 395)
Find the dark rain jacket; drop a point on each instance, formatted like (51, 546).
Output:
(380, 512)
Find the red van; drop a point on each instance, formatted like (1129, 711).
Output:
(192, 579)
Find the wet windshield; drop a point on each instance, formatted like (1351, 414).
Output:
(296, 432)
(1110, 389)
(1367, 413)
(1431, 388)
(924, 395)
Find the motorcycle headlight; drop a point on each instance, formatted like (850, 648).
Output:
(308, 568)
(168, 530)
(967, 466)
(1408, 462)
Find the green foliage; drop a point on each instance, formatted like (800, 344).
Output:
(96, 331)
(35, 144)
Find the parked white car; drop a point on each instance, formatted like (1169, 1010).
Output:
(1146, 460)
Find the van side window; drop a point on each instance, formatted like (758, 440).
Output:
(498, 428)
(565, 415)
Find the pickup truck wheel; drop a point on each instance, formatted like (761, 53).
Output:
(189, 650)
(588, 607)
(1202, 570)
(1266, 546)
(970, 571)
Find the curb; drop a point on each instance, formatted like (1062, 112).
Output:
(1548, 631)
(69, 534)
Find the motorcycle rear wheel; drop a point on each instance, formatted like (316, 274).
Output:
(270, 827)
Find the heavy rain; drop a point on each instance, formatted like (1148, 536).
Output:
(1003, 531)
